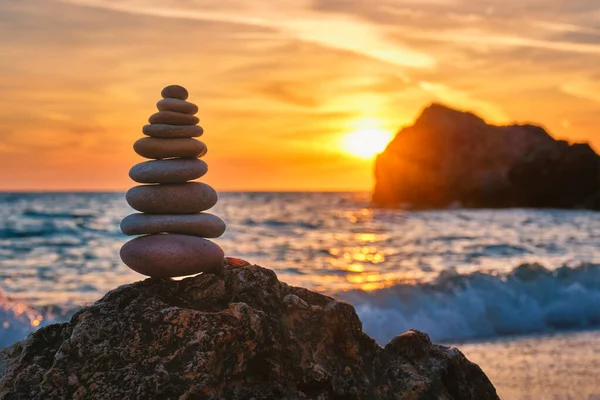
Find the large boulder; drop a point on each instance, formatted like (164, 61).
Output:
(558, 176)
(243, 335)
(449, 157)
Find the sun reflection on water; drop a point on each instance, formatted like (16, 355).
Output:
(19, 310)
(355, 268)
(366, 237)
(324, 241)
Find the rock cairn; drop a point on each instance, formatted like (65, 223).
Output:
(172, 219)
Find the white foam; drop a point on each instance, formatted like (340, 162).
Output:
(453, 307)
(17, 320)
(459, 307)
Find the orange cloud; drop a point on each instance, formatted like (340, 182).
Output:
(277, 88)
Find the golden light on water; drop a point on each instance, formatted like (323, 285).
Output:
(369, 281)
(20, 309)
(355, 268)
(366, 237)
(363, 254)
(366, 142)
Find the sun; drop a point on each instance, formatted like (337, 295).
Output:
(366, 143)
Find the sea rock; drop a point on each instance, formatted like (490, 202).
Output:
(173, 118)
(168, 171)
(174, 92)
(177, 198)
(176, 105)
(450, 158)
(170, 255)
(157, 148)
(172, 131)
(203, 224)
(558, 176)
(243, 335)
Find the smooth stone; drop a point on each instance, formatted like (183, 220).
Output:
(176, 198)
(177, 105)
(158, 148)
(168, 171)
(203, 224)
(172, 131)
(173, 118)
(174, 92)
(167, 256)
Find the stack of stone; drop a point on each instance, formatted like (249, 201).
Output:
(171, 206)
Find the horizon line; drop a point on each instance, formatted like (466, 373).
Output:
(93, 191)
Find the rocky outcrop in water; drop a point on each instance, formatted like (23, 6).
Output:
(454, 158)
(243, 335)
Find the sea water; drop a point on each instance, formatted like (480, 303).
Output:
(519, 290)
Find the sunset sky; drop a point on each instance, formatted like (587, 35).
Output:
(280, 84)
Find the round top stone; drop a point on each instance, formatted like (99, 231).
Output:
(174, 92)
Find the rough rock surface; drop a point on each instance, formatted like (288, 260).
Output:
(243, 335)
(450, 157)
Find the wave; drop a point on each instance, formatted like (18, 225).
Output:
(46, 230)
(17, 319)
(75, 214)
(455, 307)
(278, 223)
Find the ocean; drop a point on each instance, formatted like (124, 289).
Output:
(518, 291)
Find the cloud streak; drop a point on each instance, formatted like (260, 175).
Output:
(278, 85)
(583, 89)
(475, 38)
(337, 32)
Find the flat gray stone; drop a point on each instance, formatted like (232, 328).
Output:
(158, 148)
(173, 118)
(177, 198)
(168, 171)
(174, 92)
(172, 131)
(177, 105)
(202, 225)
(167, 256)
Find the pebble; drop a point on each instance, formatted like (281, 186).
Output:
(168, 171)
(177, 105)
(173, 118)
(171, 255)
(158, 148)
(172, 131)
(178, 198)
(203, 224)
(174, 92)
